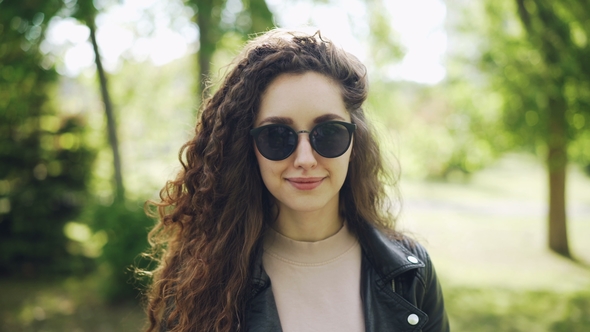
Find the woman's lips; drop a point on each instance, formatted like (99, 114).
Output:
(305, 183)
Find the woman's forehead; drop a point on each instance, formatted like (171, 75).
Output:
(302, 98)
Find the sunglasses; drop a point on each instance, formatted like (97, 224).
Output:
(329, 139)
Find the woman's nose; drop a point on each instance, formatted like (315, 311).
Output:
(304, 156)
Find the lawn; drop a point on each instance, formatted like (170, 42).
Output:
(487, 237)
(71, 305)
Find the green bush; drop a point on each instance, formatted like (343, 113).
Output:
(126, 227)
(44, 162)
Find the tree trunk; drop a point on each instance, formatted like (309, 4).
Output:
(208, 18)
(111, 124)
(549, 38)
(556, 167)
(261, 16)
(208, 37)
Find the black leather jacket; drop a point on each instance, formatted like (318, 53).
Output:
(399, 290)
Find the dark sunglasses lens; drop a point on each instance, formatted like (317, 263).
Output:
(331, 139)
(276, 142)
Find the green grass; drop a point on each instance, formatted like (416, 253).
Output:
(71, 305)
(487, 238)
(489, 309)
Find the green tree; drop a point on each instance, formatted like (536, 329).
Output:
(254, 17)
(86, 12)
(559, 32)
(124, 221)
(44, 164)
(537, 54)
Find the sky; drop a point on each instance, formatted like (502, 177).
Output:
(123, 32)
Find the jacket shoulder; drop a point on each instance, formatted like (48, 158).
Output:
(394, 251)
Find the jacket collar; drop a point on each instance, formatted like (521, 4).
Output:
(389, 257)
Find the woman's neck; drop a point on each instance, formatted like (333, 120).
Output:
(308, 226)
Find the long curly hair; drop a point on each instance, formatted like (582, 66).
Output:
(212, 217)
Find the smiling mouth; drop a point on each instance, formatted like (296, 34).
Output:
(305, 183)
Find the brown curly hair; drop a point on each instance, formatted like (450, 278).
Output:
(213, 215)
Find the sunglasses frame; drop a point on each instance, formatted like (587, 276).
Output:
(351, 127)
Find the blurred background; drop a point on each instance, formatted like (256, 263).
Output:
(482, 108)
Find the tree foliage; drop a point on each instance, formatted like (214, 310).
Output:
(536, 54)
(545, 57)
(44, 164)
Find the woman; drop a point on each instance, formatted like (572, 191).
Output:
(278, 219)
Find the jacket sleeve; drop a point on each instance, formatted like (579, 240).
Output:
(432, 297)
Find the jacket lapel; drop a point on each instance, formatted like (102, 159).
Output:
(384, 309)
(384, 260)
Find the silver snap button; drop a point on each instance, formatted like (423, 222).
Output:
(412, 259)
(413, 319)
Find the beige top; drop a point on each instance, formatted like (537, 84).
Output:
(316, 285)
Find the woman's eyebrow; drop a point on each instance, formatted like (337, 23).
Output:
(277, 120)
(328, 117)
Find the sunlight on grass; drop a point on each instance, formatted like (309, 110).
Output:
(492, 230)
(487, 237)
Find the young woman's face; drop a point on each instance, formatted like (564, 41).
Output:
(304, 181)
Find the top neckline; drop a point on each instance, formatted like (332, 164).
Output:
(309, 253)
